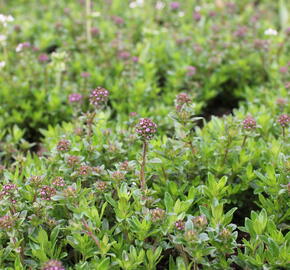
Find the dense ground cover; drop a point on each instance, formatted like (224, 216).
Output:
(144, 134)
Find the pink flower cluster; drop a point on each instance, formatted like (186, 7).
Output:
(7, 189)
(63, 146)
(191, 70)
(146, 129)
(99, 96)
(58, 182)
(75, 97)
(180, 225)
(46, 192)
(283, 120)
(53, 265)
(249, 123)
(6, 222)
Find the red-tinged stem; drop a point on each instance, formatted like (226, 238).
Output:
(142, 172)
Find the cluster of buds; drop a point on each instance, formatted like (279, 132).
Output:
(281, 102)
(53, 265)
(98, 170)
(69, 191)
(180, 225)
(284, 120)
(6, 222)
(225, 234)
(43, 58)
(118, 175)
(85, 170)
(58, 182)
(99, 97)
(191, 70)
(249, 123)
(75, 98)
(47, 192)
(200, 221)
(181, 100)
(73, 161)
(157, 214)
(146, 129)
(101, 185)
(63, 146)
(8, 190)
(35, 180)
(190, 235)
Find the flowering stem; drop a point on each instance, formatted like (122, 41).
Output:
(90, 121)
(244, 141)
(88, 20)
(142, 172)
(283, 132)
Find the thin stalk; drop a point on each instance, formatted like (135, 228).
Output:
(142, 172)
(90, 121)
(283, 132)
(88, 21)
(244, 141)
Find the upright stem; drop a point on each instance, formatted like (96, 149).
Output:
(244, 141)
(283, 131)
(90, 121)
(142, 172)
(88, 21)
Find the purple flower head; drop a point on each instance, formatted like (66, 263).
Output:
(72, 161)
(241, 32)
(133, 114)
(261, 44)
(99, 97)
(191, 70)
(46, 192)
(118, 20)
(146, 129)
(196, 16)
(283, 69)
(281, 101)
(53, 265)
(58, 182)
(63, 146)
(85, 170)
(182, 99)
(287, 31)
(85, 74)
(43, 58)
(75, 97)
(135, 59)
(95, 31)
(180, 225)
(6, 222)
(124, 55)
(284, 120)
(249, 123)
(174, 5)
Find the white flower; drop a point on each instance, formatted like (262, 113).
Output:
(197, 8)
(132, 5)
(2, 38)
(270, 32)
(137, 3)
(5, 19)
(180, 13)
(19, 47)
(160, 5)
(2, 64)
